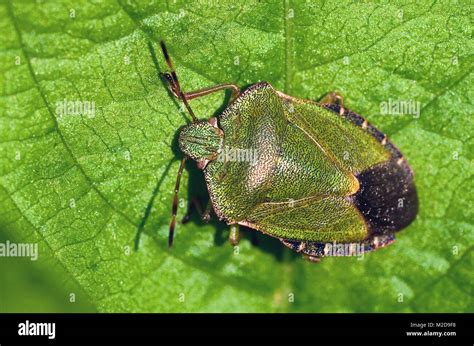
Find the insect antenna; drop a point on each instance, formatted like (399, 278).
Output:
(174, 210)
(172, 78)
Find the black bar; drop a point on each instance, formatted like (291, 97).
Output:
(309, 329)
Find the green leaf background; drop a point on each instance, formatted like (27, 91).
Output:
(81, 187)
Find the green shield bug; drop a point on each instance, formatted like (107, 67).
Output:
(312, 174)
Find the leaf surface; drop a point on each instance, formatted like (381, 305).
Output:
(82, 186)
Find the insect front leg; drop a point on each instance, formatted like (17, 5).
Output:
(196, 205)
(234, 234)
(334, 98)
(174, 209)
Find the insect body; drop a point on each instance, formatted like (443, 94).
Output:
(306, 173)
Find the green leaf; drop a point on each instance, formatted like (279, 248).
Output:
(82, 186)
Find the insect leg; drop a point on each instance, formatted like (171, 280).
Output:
(336, 98)
(234, 235)
(174, 209)
(313, 259)
(195, 205)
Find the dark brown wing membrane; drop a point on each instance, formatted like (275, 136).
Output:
(387, 197)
